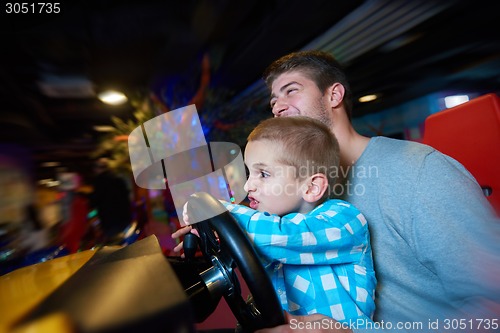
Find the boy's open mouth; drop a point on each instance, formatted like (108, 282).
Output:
(253, 203)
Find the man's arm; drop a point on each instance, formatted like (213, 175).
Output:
(457, 237)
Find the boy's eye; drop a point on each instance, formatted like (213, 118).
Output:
(264, 174)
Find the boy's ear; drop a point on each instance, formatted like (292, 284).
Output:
(316, 185)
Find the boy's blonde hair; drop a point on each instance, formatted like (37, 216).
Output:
(308, 145)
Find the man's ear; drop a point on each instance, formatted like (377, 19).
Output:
(336, 94)
(316, 185)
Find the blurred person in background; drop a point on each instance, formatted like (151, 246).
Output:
(21, 231)
(77, 222)
(111, 199)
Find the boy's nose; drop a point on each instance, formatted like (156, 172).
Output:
(248, 186)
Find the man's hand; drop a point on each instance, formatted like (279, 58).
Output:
(182, 231)
(304, 324)
(179, 233)
(185, 216)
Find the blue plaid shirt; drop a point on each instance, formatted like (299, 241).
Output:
(319, 262)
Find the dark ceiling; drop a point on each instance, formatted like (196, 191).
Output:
(51, 66)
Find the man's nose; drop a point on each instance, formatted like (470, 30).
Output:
(278, 107)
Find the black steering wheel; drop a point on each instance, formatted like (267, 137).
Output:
(233, 249)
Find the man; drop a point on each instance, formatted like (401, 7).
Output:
(435, 237)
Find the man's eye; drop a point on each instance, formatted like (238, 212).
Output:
(289, 91)
(264, 174)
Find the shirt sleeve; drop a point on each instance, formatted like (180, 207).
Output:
(333, 233)
(462, 249)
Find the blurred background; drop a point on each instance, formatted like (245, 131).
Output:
(409, 57)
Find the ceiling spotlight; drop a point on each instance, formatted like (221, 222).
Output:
(112, 97)
(367, 98)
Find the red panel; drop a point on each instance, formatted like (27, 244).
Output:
(470, 133)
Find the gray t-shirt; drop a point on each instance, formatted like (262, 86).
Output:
(434, 235)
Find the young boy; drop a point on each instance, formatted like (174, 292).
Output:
(315, 249)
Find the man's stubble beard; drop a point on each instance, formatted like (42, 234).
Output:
(323, 114)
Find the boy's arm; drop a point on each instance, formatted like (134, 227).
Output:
(333, 233)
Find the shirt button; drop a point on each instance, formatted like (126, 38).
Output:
(280, 291)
